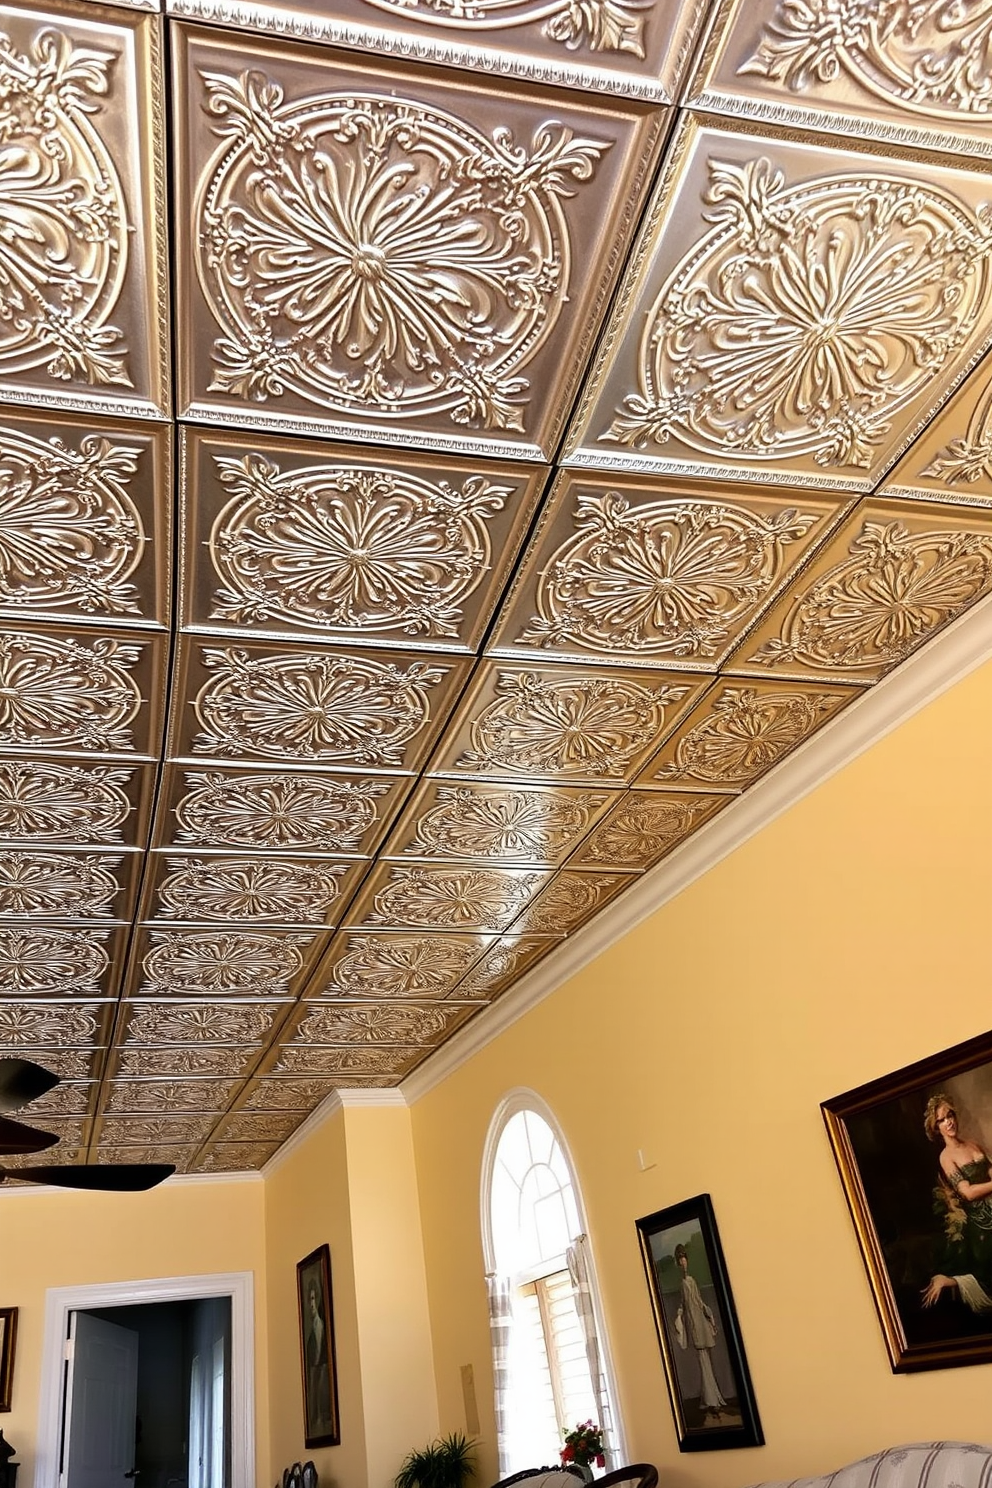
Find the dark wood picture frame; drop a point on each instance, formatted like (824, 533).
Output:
(698, 1332)
(8, 1340)
(320, 1377)
(916, 1225)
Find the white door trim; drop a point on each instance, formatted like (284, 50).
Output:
(60, 1301)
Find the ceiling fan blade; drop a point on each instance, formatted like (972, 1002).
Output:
(15, 1137)
(121, 1178)
(21, 1082)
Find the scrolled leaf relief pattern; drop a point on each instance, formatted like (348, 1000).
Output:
(571, 898)
(574, 727)
(52, 963)
(70, 535)
(639, 830)
(155, 1129)
(63, 218)
(373, 254)
(249, 889)
(376, 966)
(137, 1062)
(670, 578)
(53, 803)
(969, 459)
(312, 707)
(288, 1095)
(331, 1061)
(277, 812)
(59, 884)
(933, 56)
(235, 1157)
(453, 898)
(578, 25)
(374, 1025)
(199, 964)
(494, 971)
(483, 822)
(31, 1027)
(745, 734)
(350, 548)
(195, 1025)
(806, 316)
(892, 593)
(57, 693)
(170, 1095)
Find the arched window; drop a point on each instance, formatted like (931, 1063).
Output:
(548, 1346)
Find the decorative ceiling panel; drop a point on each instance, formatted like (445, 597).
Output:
(526, 509)
(793, 311)
(668, 573)
(389, 257)
(83, 204)
(915, 71)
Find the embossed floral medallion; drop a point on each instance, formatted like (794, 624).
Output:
(569, 900)
(58, 693)
(62, 803)
(57, 884)
(194, 964)
(170, 1095)
(458, 898)
(288, 1095)
(22, 1024)
(643, 827)
(299, 1059)
(184, 1023)
(966, 459)
(300, 813)
(515, 825)
(45, 962)
(184, 1061)
(394, 1024)
(375, 966)
(249, 889)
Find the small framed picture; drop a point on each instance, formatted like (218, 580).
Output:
(8, 1338)
(320, 1382)
(701, 1349)
(914, 1150)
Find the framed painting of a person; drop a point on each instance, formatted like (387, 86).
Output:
(914, 1150)
(320, 1391)
(703, 1356)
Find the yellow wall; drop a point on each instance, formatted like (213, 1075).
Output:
(848, 938)
(50, 1239)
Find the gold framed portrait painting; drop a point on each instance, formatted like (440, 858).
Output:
(320, 1379)
(8, 1337)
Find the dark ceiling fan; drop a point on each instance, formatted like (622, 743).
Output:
(22, 1082)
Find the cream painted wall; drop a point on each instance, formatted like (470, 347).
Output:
(51, 1239)
(848, 938)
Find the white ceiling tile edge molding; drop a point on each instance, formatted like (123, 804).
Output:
(947, 660)
(336, 1101)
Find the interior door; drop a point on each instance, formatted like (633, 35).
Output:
(101, 1402)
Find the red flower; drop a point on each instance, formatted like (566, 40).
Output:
(567, 1454)
(600, 1460)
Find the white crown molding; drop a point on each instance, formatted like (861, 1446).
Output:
(379, 1097)
(947, 660)
(336, 1101)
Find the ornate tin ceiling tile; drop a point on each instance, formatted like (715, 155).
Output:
(65, 1100)
(251, 890)
(415, 293)
(563, 723)
(68, 1064)
(65, 885)
(570, 900)
(180, 1157)
(895, 574)
(492, 823)
(40, 960)
(344, 1064)
(632, 571)
(83, 208)
(24, 1025)
(742, 728)
(278, 812)
(312, 707)
(332, 543)
(915, 71)
(235, 1157)
(288, 1095)
(792, 312)
(84, 520)
(952, 459)
(156, 1096)
(249, 1126)
(195, 1024)
(382, 967)
(643, 828)
(394, 1023)
(222, 963)
(501, 967)
(442, 898)
(626, 47)
(64, 1153)
(174, 1130)
(232, 1062)
(91, 694)
(50, 803)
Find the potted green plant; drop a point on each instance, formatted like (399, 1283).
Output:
(448, 1462)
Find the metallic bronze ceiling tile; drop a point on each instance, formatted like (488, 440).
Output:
(250, 1126)
(84, 242)
(196, 1060)
(288, 1094)
(952, 459)
(52, 803)
(235, 1157)
(644, 827)
(570, 900)
(384, 966)
(793, 311)
(740, 730)
(443, 897)
(180, 1157)
(638, 570)
(67, 1099)
(27, 1025)
(335, 543)
(626, 47)
(85, 509)
(47, 961)
(158, 1096)
(559, 723)
(891, 577)
(223, 962)
(388, 1023)
(343, 1064)
(85, 694)
(918, 74)
(523, 825)
(249, 890)
(303, 707)
(387, 255)
(197, 1024)
(502, 966)
(79, 886)
(171, 1130)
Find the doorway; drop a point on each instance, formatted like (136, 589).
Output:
(65, 1305)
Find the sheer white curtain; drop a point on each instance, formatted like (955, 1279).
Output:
(500, 1318)
(577, 1257)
